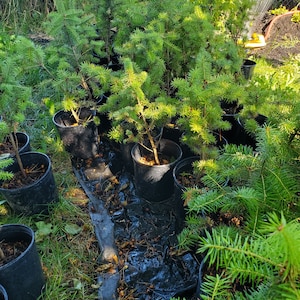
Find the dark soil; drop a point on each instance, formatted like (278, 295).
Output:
(6, 147)
(33, 173)
(189, 179)
(11, 250)
(283, 39)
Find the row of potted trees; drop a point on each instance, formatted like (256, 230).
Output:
(26, 179)
(162, 79)
(173, 67)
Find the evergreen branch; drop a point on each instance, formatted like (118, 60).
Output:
(215, 287)
(283, 238)
(282, 184)
(4, 163)
(206, 201)
(224, 250)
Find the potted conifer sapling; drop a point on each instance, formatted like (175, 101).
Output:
(73, 74)
(137, 117)
(32, 186)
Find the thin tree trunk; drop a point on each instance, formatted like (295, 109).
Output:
(14, 142)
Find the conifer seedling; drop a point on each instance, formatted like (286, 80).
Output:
(73, 76)
(15, 94)
(136, 116)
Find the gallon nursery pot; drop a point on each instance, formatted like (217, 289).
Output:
(238, 134)
(185, 165)
(23, 142)
(21, 275)
(80, 140)
(155, 183)
(248, 68)
(35, 197)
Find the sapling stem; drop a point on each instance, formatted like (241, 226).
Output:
(150, 137)
(2, 256)
(14, 143)
(75, 115)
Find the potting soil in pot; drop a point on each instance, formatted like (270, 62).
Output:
(137, 238)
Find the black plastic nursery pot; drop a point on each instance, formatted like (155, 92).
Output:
(155, 183)
(238, 135)
(22, 140)
(175, 135)
(36, 197)
(80, 140)
(3, 293)
(185, 165)
(248, 68)
(22, 277)
(126, 156)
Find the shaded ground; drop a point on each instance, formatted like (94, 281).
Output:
(283, 38)
(139, 258)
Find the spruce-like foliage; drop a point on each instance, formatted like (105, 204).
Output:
(72, 72)
(168, 45)
(19, 58)
(4, 163)
(228, 16)
(269, 261)
(137, 113)
(200, 112)
(103, 12)
(258, 182)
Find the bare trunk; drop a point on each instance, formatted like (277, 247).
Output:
(14, 142)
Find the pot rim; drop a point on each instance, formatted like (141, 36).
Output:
(25, 230)
(3, 292)
(184, 162)
(20, 149)
(66, 111)
(162, 165)
(37, 181)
